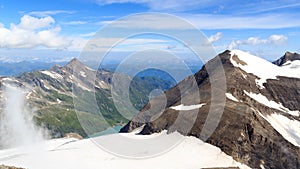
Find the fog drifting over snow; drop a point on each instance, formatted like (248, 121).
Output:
(16, 121)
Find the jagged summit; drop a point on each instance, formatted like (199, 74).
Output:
(287, 57)
(75, 63)
(56, 67)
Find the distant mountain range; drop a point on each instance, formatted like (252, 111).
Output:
(260, 124)
(17, 68)
(49, 92)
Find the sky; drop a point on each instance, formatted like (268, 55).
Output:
(58, 30)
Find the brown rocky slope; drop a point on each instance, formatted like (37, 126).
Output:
(242, 131)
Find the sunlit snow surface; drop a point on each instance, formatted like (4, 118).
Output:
(272, 104)
(187, 107)
(292, 64)
(231, 97)
(261, 68)
(191, 153)
(52, 74)
(289, 129)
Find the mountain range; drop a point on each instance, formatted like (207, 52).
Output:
(17, 68)
(49, 93)
(238, 111)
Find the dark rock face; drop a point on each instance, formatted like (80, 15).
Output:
(287, 57)
(242, 132)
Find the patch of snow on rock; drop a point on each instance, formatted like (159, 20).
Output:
(82, 74)
(88, 68)
(9, 79)
(289, 129)
(190, 107)
(28, 95)
(270, 103)
(231, 97)
(103, 85)
(262, 166)
(259, 67)
(45, 85)
(83, 87)
(58, 100)
(52, 74)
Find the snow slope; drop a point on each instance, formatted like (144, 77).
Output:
(261, 68)
(270, 103)
(292, 64)
(288, 128)
(191, 153)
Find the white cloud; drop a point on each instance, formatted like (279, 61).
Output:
(214, 6)
(32, 32)
(74, 23)
(174, 5)
(214, 38)
(264, 18)
(273, 39)
(208, 21)
(149, 21)
(32, 23)
(272, 6)
(104, 44)
(47, 13)
(277, 39)
(266, 21)
(87, 35)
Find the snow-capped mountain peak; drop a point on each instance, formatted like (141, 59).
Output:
(261, 68)
(260, 121)
(287, 57)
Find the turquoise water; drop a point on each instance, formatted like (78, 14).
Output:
(108, 131)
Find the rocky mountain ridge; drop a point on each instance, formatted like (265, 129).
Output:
(287, 57)
(260, 122)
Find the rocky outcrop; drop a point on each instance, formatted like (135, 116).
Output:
(73, 135)
(288, 56)
(242, 132)
(8, 167)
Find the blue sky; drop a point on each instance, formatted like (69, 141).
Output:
(57, 30)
